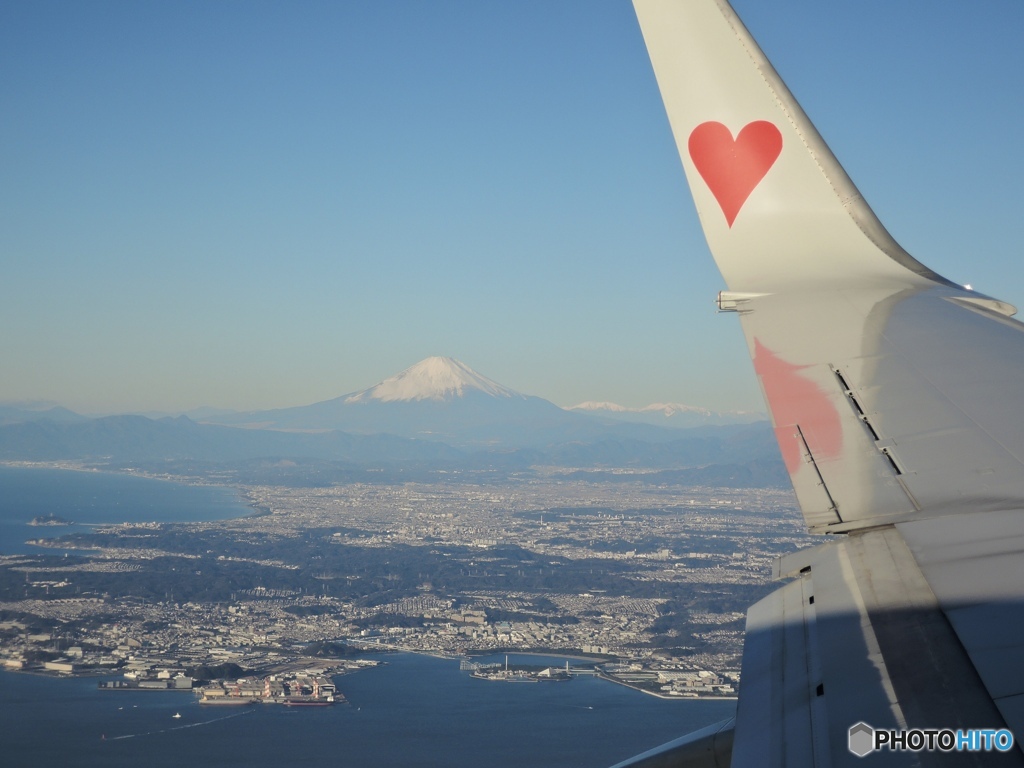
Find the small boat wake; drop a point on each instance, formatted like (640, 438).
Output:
(176, 727)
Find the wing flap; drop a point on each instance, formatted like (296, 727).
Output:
(778, 684)
(975, 565)
(873, 646)
(709, 747)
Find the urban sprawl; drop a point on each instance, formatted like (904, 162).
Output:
(648, 582)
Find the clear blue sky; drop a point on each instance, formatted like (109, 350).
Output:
(262, 204)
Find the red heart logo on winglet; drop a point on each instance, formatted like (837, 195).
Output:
(732, 168)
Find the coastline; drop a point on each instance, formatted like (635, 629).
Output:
(243, 503)
(246, 505)
(189, 482)
(551, 653)
(665, 696)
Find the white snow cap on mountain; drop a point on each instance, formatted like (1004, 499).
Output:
(436, 378)
(593, 406)
(667, 414)
(670, 409)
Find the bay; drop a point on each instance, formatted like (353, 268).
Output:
(414, 712)
(96, 498)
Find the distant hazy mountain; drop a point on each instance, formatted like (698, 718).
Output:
(671, 415)
(436, 414)
(21, 412)
(196, 414)
(743, 455)
(444, 400)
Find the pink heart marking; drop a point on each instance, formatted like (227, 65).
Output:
(796, 400)
(732, 168)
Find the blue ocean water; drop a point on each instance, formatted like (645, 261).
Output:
(413, 712)
(91, 498)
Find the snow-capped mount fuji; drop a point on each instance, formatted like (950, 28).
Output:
(436, 378)
(444, 400)
(439, 399)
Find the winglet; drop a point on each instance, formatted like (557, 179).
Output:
(776, 206)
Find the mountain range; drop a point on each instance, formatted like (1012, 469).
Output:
(444, 400)
(437, 413)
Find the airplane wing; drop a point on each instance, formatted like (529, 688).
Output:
(897, 399)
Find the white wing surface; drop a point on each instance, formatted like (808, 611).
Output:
(897, 399)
